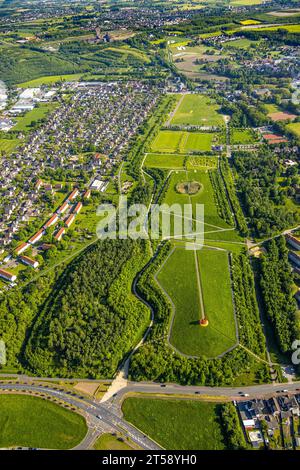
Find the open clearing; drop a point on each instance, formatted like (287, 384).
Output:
(49, 80)
(197, 110)
(215, 227)
(33, 422)
(178, 277)
(177, 424)
(294, 127)
(184, 142)
(25, 122)
(179, 161)
(243, 136)
(8, 145)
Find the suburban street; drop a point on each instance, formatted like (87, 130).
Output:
(106, 416)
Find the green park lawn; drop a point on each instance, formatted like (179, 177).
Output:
(197, 110)
(244, 136)
(177, 424)
(167, 142)
(25, 122)
(8, 145)
(111, 442)
(168, 161)
(294, 127)
(215, 227)
(178, 277)
(197, 141)
(34, 422)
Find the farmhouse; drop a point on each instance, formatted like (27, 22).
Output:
(7, 275)
(36, 237)
(29, 261)
(70, 220)
(58, 236)
(21, 248)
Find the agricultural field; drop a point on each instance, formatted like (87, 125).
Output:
(50, 80)
(197, 110)
(33, 422)
(177, 424)
(178, 277)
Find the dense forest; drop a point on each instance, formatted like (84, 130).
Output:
(91, 320)
(276, 287)
(262, 197)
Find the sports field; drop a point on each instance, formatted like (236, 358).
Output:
(184, 142)
(177, 424)
(178, 277)
(33, 422)
(197, 110)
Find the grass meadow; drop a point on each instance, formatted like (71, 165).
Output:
(177, 424)
(33, 422)
(179, 279)
(197, 110)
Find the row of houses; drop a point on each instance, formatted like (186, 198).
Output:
(270, 419)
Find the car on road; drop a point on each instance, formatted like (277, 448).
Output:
(284, 391)
(245, 394)
(163, 385)
(99, 417)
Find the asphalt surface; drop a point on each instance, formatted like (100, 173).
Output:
(107, 416)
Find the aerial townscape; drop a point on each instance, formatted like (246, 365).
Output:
(150, 226)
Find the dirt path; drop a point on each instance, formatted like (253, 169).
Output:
(172, 114)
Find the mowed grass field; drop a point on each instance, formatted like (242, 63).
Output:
(177, 424)
(111, 442)
(197, 110)
(215, 227)
(179, 161)
(8, 145)
(24, 122)
(243, 136)
(183, 142)
(295, 128)
(33, 422)
(178, 277)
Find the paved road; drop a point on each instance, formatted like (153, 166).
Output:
(95, 412)
(230, 392)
